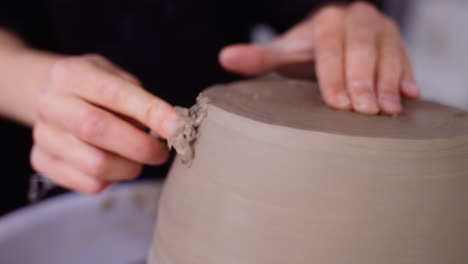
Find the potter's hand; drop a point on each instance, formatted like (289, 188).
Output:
(360, 59)
(81, 140)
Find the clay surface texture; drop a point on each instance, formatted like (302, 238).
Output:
(187, 129)
(279, 178)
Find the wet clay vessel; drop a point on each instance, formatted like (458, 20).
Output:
(278, 177)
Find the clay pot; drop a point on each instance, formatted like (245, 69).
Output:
(280, 178)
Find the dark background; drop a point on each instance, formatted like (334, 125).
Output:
(15, 144)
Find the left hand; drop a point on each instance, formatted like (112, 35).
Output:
(361, 62)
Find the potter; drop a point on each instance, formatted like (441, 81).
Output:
(278, 177)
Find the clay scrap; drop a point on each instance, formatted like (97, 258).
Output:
(187, 129)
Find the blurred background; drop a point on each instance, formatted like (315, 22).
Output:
(437, 35)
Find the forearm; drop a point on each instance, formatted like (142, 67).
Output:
(23, 70)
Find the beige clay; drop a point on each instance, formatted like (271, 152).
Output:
(186, 133)
(279, 178)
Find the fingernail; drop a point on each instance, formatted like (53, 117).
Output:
(366, 104)
(342, 100)
(390, 103)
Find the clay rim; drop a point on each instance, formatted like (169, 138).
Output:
(422, 119)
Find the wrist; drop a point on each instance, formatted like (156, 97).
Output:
(23, 71)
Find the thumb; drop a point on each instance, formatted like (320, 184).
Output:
(249, 59)
(252, 59)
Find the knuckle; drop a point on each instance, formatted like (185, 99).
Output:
(329, 13)
(360, 59)
(327, 38)
(362, 6)
(326, 19)
(98, 60)
(94, 56)
(391, 68)
(110, 91)
(98, 165)
(67, 65)
(153, 112)
(358, 87)
(329, 56)
(90, 125)
(361, 41)
(64, 70)
(60, 67)
(388, 86)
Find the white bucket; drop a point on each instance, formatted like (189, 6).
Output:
(114, 227)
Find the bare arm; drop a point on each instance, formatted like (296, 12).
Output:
(23, 70)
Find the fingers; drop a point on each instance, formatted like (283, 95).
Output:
(378, 69)
(115, 94)
(408, 84)
(389, 70)
(330, 58)
(247, 59)
(289, 49)
(62, 174)
(102, 129)
(83, 157)
(361, 58)
(88, 132)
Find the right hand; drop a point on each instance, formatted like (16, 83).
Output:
(356, 52)
(81, 140)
